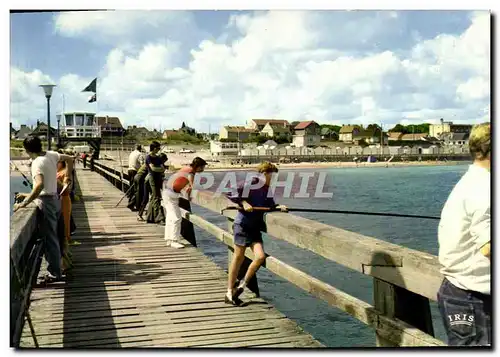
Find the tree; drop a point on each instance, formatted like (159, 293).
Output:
(374, 127)
(335, 128)
(398, 128)
(282, 139)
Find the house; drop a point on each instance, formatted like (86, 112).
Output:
(41, 131)
(307, 133)
(327, 133)
(78, 124)
(454, 139)
(414, 137)
(110, 126)
(218, 148)
(370, 136)
(347, 131)
(259, 124)
(275, 130)
(448, 127)
(237, 133)
(395, 136)
(138, 132)
(23, 132)
(169, 133)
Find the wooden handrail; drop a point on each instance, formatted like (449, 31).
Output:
(410, 269)
(395, 330)
(25, 260)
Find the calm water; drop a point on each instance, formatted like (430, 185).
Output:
(413, 190)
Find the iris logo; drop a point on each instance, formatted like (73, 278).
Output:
(461, 319)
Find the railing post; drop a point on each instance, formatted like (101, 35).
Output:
(252, 285)
(396, 302)
(187, 227)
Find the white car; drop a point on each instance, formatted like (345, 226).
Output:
(169, 151)
(186, 151)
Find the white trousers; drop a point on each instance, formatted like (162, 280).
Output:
(173, 219)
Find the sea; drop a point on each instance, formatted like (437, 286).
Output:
(418, 190)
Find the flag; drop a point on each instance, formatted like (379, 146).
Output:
(93, 98)
(92, 87)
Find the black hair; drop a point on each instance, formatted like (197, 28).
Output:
(33, 144)
(154, 145)
(138, 147)
(198, 162)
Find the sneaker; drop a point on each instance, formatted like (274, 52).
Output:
(177, 245)
(238, 292)
(232, 300)
(168, 242)
(49, 279)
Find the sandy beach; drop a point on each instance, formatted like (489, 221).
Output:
(217, 166)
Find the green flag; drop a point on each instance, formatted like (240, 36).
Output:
(92, 87)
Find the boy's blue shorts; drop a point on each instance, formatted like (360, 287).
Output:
(245, 236)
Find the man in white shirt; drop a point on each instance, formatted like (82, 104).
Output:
(135, 160)
(464, 231)
(44, 193)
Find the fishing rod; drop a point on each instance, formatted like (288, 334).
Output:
(27, 181)
(125, 195)
(266, 209)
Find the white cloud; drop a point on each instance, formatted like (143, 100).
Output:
(121, 25)
(277, 65)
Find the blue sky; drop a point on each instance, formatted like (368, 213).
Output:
(220, 67)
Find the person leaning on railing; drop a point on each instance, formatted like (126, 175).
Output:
(464, 297)
(178, 186)
(44, 194)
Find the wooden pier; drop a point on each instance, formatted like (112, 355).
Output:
(128, 289)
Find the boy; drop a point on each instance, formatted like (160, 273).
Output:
(247, 230)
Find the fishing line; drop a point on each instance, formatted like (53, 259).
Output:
(27, 182)
(336, 212)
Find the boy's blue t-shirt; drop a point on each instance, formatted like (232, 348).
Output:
(257, 197)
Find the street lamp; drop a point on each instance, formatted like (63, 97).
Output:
(47, 89)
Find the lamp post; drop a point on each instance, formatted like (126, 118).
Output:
(58, 132)
(47, 89)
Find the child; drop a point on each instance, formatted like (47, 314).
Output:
(247, 231)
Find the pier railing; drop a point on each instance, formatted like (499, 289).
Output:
(25, 261)
(404, 280)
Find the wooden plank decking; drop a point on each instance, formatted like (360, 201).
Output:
(128, 289)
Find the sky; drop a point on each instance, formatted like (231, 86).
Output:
(213, 68)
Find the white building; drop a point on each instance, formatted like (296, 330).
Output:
(79, 125)
(219, 148)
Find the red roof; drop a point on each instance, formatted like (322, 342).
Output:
(271, 121)
(303, 124)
